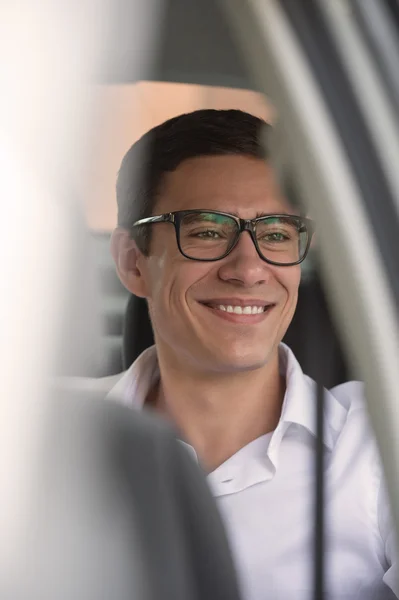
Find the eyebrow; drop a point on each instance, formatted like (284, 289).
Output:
(293, 212)
(203, 216)
(261, 214)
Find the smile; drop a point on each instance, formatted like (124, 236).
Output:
(236, 312)
(241, 310)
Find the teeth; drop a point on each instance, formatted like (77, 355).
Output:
(242, 310)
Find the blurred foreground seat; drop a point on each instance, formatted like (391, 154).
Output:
(128, 513)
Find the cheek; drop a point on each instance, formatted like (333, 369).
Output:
(290, 281)
(171, 279)
(155, 275)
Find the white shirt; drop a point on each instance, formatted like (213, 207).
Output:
(265, 493)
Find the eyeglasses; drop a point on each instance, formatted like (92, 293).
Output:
(205, 235)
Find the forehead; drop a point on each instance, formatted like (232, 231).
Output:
(241, 185)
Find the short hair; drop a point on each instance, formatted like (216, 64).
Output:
(162, 149)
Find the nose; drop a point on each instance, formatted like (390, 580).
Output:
(243, 266)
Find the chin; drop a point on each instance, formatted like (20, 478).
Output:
(241, 361)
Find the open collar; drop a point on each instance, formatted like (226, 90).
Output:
(299, 405)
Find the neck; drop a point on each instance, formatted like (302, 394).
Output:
(219, 414)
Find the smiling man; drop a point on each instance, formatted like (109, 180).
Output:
(206, 236)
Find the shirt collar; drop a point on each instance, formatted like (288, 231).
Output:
(300, 402)
(135, 383)
(299, 405)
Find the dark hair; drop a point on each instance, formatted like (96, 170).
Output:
(165, 147)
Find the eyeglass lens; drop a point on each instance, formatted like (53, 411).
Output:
(208, 235)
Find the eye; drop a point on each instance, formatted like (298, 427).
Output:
(209, 234)
(275, 236)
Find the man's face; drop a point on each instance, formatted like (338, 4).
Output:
(184, 295)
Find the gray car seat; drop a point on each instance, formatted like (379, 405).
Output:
(128, 514)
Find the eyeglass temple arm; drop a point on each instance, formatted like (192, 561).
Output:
(169, 217)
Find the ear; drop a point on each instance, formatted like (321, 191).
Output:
(129, 262)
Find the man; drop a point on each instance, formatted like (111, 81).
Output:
(206, 236)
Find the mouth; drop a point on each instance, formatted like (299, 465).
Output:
(251, 312)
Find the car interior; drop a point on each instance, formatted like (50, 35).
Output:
(328, 73)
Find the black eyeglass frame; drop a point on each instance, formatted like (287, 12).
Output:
(305, 224)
